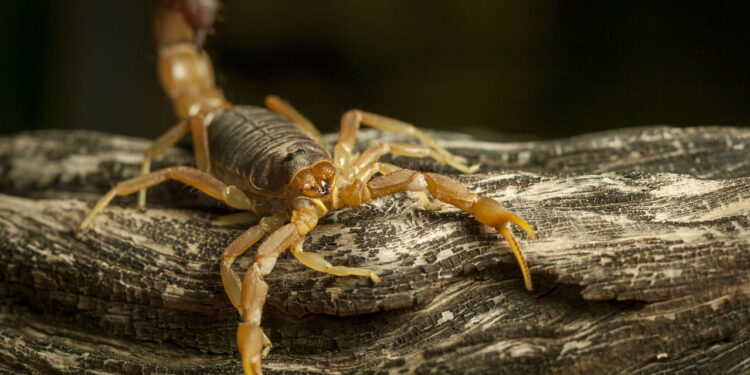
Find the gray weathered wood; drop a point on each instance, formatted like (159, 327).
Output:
(642, 266)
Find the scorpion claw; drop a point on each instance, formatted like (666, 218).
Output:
(266, 346)
(490, 212)
(250, 341)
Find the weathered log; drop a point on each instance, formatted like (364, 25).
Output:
(642, 266)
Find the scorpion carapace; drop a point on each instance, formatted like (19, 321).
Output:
(272, 163)
(268, 153)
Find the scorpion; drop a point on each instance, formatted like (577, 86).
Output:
(271, 163)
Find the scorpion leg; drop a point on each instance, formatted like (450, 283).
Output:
(279, 105)
(305, 218)
(318, 263)
(196, 125)
(486, 210)
(160, 145)
(209, 185)
(351, 121)
(199, 131)
(240, 218)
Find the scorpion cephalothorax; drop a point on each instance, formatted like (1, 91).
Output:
(272, 163)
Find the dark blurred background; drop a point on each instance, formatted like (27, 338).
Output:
(526, 69)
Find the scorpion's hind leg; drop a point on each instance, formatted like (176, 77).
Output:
(199, 131)
(486, 210)
(279, 105)
(194, 125)
(351, 121)
(209, 185)
(160, 145)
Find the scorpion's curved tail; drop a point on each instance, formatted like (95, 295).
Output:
(184, 69)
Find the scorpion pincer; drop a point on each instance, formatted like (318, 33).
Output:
(271, 163)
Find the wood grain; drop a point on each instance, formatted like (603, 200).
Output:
(642, 265)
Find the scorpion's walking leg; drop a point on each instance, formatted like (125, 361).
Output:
(199, 131)
(351, 121)
(160, 145)
(194, 125)
(209, 185)
(486, 210)
(279, 105)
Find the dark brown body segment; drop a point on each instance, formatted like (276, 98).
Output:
(259, 150)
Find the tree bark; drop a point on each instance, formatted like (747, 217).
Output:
(642, 265)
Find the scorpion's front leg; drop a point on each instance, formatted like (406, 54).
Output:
(486, 210)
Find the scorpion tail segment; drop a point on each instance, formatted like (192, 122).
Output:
(185, 72)
(201, 15)
(184, 20)
(250, 342)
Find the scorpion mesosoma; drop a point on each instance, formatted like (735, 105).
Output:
(272, 163)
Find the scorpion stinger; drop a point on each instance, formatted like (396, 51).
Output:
(271, 164)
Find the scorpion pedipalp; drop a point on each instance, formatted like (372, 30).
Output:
(486, 210)
(250, 344)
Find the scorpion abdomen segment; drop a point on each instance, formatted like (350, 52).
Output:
(260, 150)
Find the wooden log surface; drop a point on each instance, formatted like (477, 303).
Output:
(642, 265)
